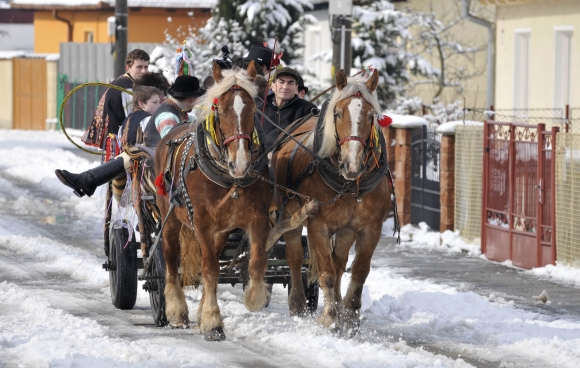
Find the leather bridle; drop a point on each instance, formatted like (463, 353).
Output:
(226, 141)
(356, 138)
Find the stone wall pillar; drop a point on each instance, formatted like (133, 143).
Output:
(447, 181)
(402, 173)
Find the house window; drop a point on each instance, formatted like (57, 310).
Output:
(521, 69)
(89, 36)
(562, 66)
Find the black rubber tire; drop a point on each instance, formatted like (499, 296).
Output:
(123, 268)
(310, 290)
(157, 288)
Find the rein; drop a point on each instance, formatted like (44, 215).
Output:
(289, 135)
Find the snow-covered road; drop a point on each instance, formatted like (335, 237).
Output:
(55, 308)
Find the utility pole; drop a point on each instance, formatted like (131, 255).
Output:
(341, 30)
(120, 53)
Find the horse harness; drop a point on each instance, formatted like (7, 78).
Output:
(210, 159)
(368, 180)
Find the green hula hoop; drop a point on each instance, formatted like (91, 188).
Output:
(70, 94)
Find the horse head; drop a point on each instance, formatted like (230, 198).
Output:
(354, 118)
(350, 120)
(233, 105)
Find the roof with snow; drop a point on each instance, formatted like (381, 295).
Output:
(406, 121)
(105, 4)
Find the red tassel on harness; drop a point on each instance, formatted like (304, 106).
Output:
(160, 184)
(384, 120)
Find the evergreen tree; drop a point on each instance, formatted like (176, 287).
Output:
(239, 24)
(379, 36)
(243, 23)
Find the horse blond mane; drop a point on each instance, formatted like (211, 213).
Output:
(353, 85)
(231, 78)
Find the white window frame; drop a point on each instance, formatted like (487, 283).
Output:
(563, 41)
(521, 69)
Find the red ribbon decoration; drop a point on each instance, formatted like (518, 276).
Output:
(384, 120)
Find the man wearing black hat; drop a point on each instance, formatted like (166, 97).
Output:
(283, 106)
(262, 56)
(182, 97)
(302, 90)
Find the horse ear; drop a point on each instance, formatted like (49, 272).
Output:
(217, 73)
(340, 79)
(373, 81)
(251, 70)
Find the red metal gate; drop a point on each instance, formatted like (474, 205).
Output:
(518, 194)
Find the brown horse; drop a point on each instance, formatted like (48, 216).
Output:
(348, 139)
(218, 197)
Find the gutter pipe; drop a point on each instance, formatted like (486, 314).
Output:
(68, 22)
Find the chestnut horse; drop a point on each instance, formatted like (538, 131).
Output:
(348, 139)
(218, 196)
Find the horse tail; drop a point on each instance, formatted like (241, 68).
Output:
(312, 266)
(190, 260)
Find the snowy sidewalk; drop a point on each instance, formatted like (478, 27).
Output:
(492, 280)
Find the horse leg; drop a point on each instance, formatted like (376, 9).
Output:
(211, 324)
(295, 258)
(342, 244)
(176, 307)
(256, 294)
(366, 242)
(320, 244)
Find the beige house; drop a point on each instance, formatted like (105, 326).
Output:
(466, 32)
(537, 54)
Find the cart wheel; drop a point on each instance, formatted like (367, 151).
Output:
(122, 268)
(157, 288)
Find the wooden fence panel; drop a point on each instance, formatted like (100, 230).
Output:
(29, 93)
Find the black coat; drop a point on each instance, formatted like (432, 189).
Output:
(283, 116)
(130, 126)
(110, 113)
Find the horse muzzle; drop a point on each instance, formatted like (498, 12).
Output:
(239, 168)
(351, 170)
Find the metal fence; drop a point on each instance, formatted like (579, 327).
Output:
(568, 199)
(79, 110)
(85, 62)
(468, 180)
(574, 120)
(425, 176)
(548, 116)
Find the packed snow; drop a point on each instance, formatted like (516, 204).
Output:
(36, 330)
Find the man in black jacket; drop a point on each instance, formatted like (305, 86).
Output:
(283, 107)
(114, 105)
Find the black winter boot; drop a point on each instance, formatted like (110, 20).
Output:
(88, 181)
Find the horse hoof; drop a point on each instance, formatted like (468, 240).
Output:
(349, 332)
(216, 334)
(180, 324)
